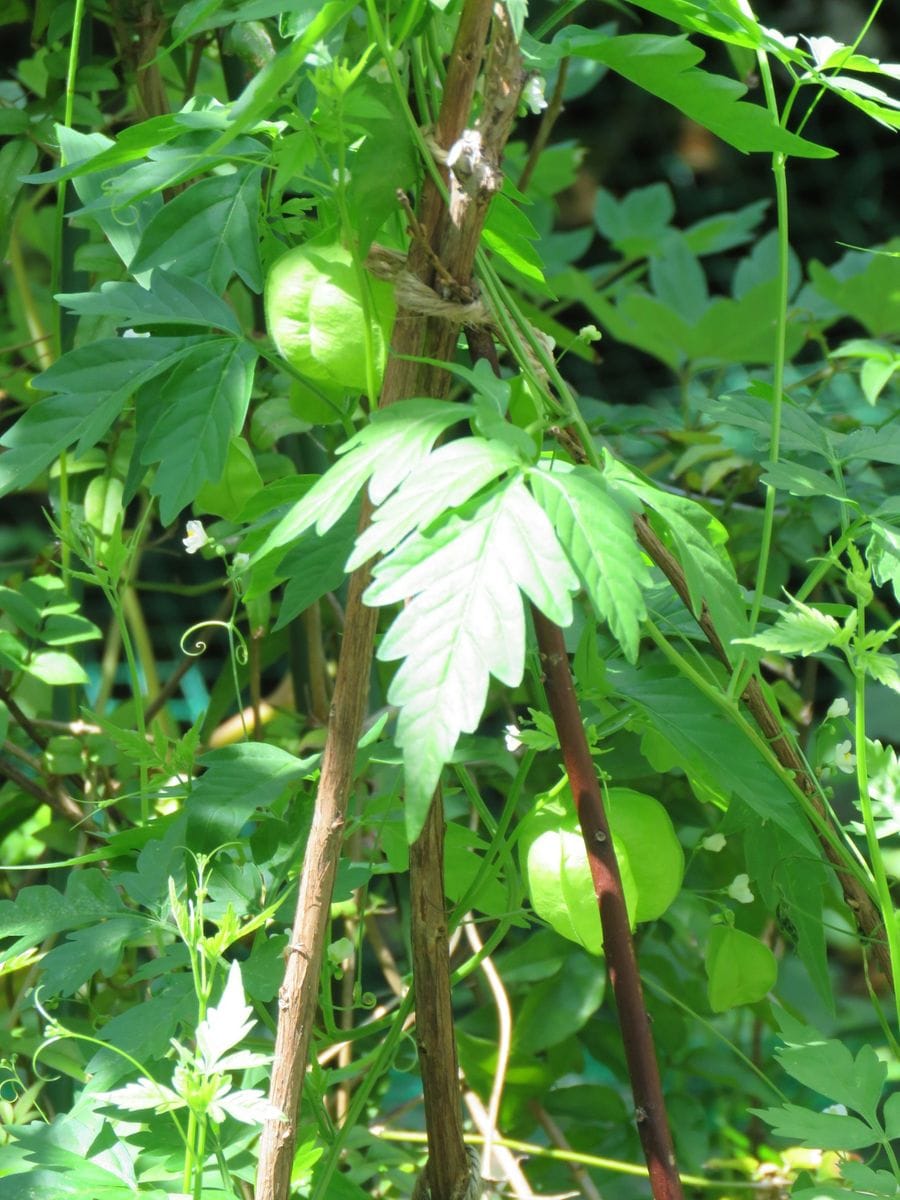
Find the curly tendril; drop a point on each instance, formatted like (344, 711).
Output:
(236, 641)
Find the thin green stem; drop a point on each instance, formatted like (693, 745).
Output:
(730, 709)
(65, 507)
(882, 886)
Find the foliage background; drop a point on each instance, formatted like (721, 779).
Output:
(562, 1032)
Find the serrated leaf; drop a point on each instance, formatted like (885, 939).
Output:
(801, 630)
(37, 912)
(208, 232)
(698, 538)
(96, 950)
(92, 385)
(206, 398)
(818, 1130)
(827, 1066)
(800, 480)
(599, 538)
(383, 452)
(237, 781)
(884, 669)
(464, 623)
(315, 564)
(706, 746)
(667, 67)
(168, 298)
(446, 478)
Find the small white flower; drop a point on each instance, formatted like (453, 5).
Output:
(589, 333)
(739, 889)
(838, 708)
(533, 94)
(842, 758)
(714, 843)
(837, 1110)
(336, 176)
(240, 562)
(196, 537)
(512, 738)
(130, 333)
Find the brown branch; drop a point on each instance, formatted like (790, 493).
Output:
(298, 995)
(58, 799)
(299, 992)
(22, 719)
(448, 1162)
(618, 946)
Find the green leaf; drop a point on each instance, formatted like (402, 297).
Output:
(800, 480)
(208, 232)
(316, 564)
(556, 1008)
(598, 536)
(463, 856)
(740, 968)
(865, 286)
(678, 279)
(791, 886)
(55, 667)
(638, 223)
(86, 953)
(37, 912)
(697, 536)
(446, 478)
(206, 398)
(463, 623)
(706, 745)
(801, 630)
(238, 780)
(726, 230)
(92, 385)
(829, 1131)
(167, 299)
(122, 223)
(383, 452)
(17, 158)
(667, 67)
(720, 19)
(827, 1066)
(239, 483)
(510, 235)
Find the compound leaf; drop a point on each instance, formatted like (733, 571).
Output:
(206, 398)
(463, 624)
(382, 452)
(598, 536)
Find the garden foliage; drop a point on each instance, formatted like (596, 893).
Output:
(194, 346)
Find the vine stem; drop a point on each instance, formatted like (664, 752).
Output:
(618, 945)
(449, 1163)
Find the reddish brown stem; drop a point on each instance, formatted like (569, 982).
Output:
(618, 946)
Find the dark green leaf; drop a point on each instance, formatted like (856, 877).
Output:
(208, 232)
(167, 299)
(667, 67)
(206, 398)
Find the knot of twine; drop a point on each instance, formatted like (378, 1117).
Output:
(417, 296)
